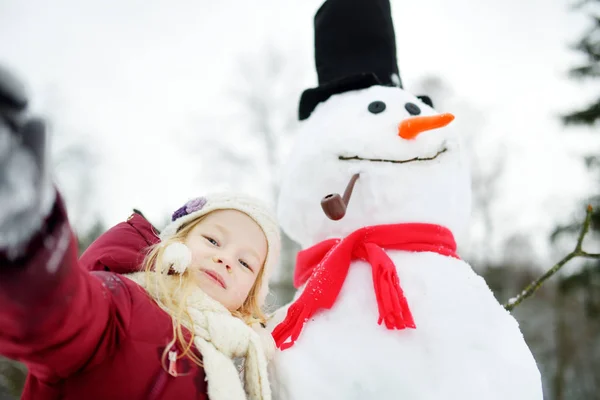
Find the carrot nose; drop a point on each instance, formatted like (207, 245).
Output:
(411, 127)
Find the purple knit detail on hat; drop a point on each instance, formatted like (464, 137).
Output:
(189, 207)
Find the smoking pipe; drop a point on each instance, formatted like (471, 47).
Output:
(334, 206)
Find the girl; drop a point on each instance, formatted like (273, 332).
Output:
(139, 315)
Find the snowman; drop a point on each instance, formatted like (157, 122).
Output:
(376, 189)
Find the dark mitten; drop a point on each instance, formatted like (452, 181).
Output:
(26, 191)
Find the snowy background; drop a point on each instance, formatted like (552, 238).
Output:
(155, 101)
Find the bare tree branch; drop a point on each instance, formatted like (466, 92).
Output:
(577, 252)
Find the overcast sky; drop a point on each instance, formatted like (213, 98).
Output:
(134, 77)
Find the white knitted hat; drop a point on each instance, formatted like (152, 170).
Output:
(179, 256)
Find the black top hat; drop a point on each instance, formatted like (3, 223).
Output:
(355, 48)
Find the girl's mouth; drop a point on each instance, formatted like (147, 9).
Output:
(215, 277)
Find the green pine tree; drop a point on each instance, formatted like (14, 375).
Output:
(589, 69)
(589, 47)
(577, 308)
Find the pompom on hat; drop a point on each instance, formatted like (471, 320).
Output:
(178, 255)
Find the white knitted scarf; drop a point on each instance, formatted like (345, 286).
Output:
(220, 337)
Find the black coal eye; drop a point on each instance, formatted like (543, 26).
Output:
(412, 108)
(376, 107)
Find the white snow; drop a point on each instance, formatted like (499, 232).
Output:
(465, 346)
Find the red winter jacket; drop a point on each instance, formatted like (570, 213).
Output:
(89, 335)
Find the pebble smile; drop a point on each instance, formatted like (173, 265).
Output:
(357, 158)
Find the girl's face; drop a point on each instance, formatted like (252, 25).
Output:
(228, 251)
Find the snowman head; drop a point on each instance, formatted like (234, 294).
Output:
(409, 159)
(359, 120)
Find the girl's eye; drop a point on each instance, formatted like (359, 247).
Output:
(211, 240)
(245, 264)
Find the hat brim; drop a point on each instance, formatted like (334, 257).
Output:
(311, 98)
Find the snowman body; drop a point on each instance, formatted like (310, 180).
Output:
(465, 345)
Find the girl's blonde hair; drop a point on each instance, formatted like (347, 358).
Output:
(172, 294)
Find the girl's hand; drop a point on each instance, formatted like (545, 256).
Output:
(26, 192)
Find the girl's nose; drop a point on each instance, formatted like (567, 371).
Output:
(219, 260)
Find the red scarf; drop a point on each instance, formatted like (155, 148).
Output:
(325, 266)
